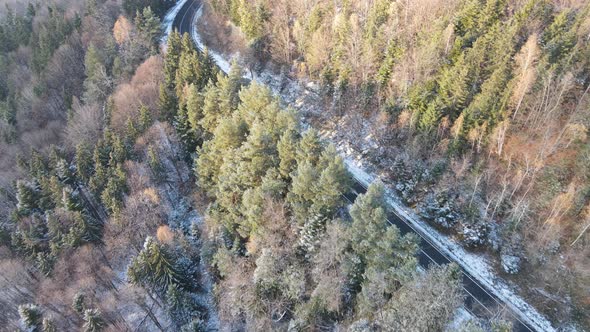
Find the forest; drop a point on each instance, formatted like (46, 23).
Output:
(144, 189)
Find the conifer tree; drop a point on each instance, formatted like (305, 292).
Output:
(211, 108)
(229, 135)
(156, 165)
(172, 59)
(287, 150)
(145, 118)
(31, 317)
(155, 268)
(310, 147)
(99, 179)
(230, 87)
(255, 104)
(208, 69)
(302, 195)
(333, 182)
(93, 321)
(148, 25)
(184, 129)
(380, 246)
(194, 112)
(78, 303)
(97, 85)
(48, 325)
(167, 102)
(26, 196)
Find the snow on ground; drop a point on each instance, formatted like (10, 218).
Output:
(169, 19)
(295, 95)
(224, 64)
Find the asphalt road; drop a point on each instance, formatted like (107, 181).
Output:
(478, 300)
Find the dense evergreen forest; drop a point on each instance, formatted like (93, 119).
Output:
(143, 189)
(476, 113)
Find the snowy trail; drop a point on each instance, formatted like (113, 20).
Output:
(295, 95)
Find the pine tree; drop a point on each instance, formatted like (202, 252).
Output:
(167, 102)
(31, 317)
(301, 195)
(93, 321)
(230, 87)
(26, 196)
(252, 205)
(172, 58)
(156, 165)
(145, 118)
(287, 150)
(211, 108)
(78, 303)
(259, 153)
(194, 112)
(83, 161)
(155, 268)
(312, 232)
(333, 182)
(256, 104)
(148, 25)
(380, 245)
(310, 147)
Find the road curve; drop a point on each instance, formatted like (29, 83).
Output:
(479, 301)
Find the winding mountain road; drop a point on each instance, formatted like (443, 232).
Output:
(479, 301)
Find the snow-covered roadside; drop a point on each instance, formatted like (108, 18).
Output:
(296, 95)
(223, 64)
(169, 19)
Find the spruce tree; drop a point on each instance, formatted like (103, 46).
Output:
(230, 87)
(167, 102)
(145, 118)
(31, 317)
(78, 303)
(155, 164)
(380, 245)
(211, 108)
(93, 321)
(333, 182)
(287, 150)
(302, 195)
(172, 58)
(310, 147)
(194, 112)
(26, 196)
(155, 268)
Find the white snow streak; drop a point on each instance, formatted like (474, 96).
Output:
(169, 19)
